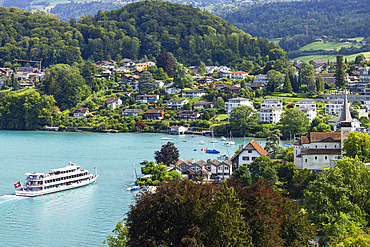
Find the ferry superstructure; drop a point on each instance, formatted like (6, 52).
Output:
(66, 178)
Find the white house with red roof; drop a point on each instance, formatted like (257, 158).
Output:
(247, 154)
(238, 75)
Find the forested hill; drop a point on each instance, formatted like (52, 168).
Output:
(148, 28)
(339, 18)
(65, 11)
(152, 27)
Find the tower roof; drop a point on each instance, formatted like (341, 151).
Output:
(345, 116)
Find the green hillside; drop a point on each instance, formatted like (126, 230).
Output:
(328, 46)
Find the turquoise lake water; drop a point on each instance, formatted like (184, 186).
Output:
(83, 216)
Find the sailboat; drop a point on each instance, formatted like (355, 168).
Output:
(133, 186)
(230, 142)
(214, 151)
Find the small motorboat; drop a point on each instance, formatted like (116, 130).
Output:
(223, 138)
(166, 138)
(133, 187)
(201, 142)
(212, 151)
(144, 162)
(222, 157)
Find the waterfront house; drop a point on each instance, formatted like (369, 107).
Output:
(79, 112)
(176, 103)
(171, 89)
(155, 114)
(177, 130)
(247, 154)
(231, 90)
(334, 106)
(147, 98)
(131, 112)
(113, 102)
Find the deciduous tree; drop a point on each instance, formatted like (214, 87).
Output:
(168, 154)
(357, 144)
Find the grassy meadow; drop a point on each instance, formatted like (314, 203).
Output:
(331, 57)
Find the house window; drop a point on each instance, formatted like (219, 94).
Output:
(249, 151)
(326, 157)
(226, 168)
(315, 157)
(253, 158)
(220, 168)
(305, 160)
(325, 146)
(245, 158)
(316, 146)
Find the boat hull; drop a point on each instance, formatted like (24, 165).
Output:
(26, 193)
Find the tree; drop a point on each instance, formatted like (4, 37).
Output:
(300, 182)
(262, 168)
(287, 88)
(294, 122)
(168, 154)
(339, 72)
(273, 143)
(202, 68)
(181, 79)
(320, 84)
(220, 103)
(357, 144)
(147, 82)
(130, 54)
(120, 238)
(275, 80)
(246, 66)
(66, 84)
(305, 74)
(359, 58)
(166, 62)
(243, 175)
(228, 227)
(241, 117)
(206, 116)
(344, 192)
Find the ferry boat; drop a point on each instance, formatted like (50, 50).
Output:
(66, 178)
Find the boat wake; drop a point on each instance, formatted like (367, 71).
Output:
(8, 198)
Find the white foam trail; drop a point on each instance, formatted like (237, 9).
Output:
(8, 198)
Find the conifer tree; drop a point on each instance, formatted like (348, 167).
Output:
(339, 72)
(287, 88)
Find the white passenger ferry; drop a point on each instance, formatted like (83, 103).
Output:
(56, 180)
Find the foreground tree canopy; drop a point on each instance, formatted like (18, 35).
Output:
(184, 213)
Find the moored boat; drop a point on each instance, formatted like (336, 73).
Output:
(66, 178)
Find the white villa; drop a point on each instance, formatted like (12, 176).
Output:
(308, 107)
(236, 102)
(271, 110)
(247, 154)
(334, 107)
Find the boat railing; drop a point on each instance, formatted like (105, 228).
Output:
(68, 180)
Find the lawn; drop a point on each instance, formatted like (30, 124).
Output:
(328, 46)
(331, 58)
(276, 40)
(221, 117)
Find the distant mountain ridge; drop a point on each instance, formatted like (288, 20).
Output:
(339, 18)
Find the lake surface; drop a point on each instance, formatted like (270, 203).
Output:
(83, 216)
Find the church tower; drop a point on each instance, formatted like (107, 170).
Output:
(345, 120)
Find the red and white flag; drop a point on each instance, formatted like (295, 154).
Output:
(17, 184)
(94, 167)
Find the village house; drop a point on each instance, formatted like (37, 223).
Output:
(176, 103)
(141, 66)
(238, 75)
(131, 112)
(308, 107)
(247, 154)
(147, 98)
(202, 105)
(123, 70)
(191, 94)
(231, 90)
(79, 112)
(237, 102)
(171, 89)
(113, 102)
(6, 71)
(177, 130)
(188, 115)
(26, 85)
(155, 114)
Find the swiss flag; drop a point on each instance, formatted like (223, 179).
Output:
(17, 184)
(206, 149)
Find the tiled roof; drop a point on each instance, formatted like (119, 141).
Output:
(177, 100)
(132, 111)
(203, 103)
(253, 145)
(151, 111)
(325, 137)
(112, 99)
